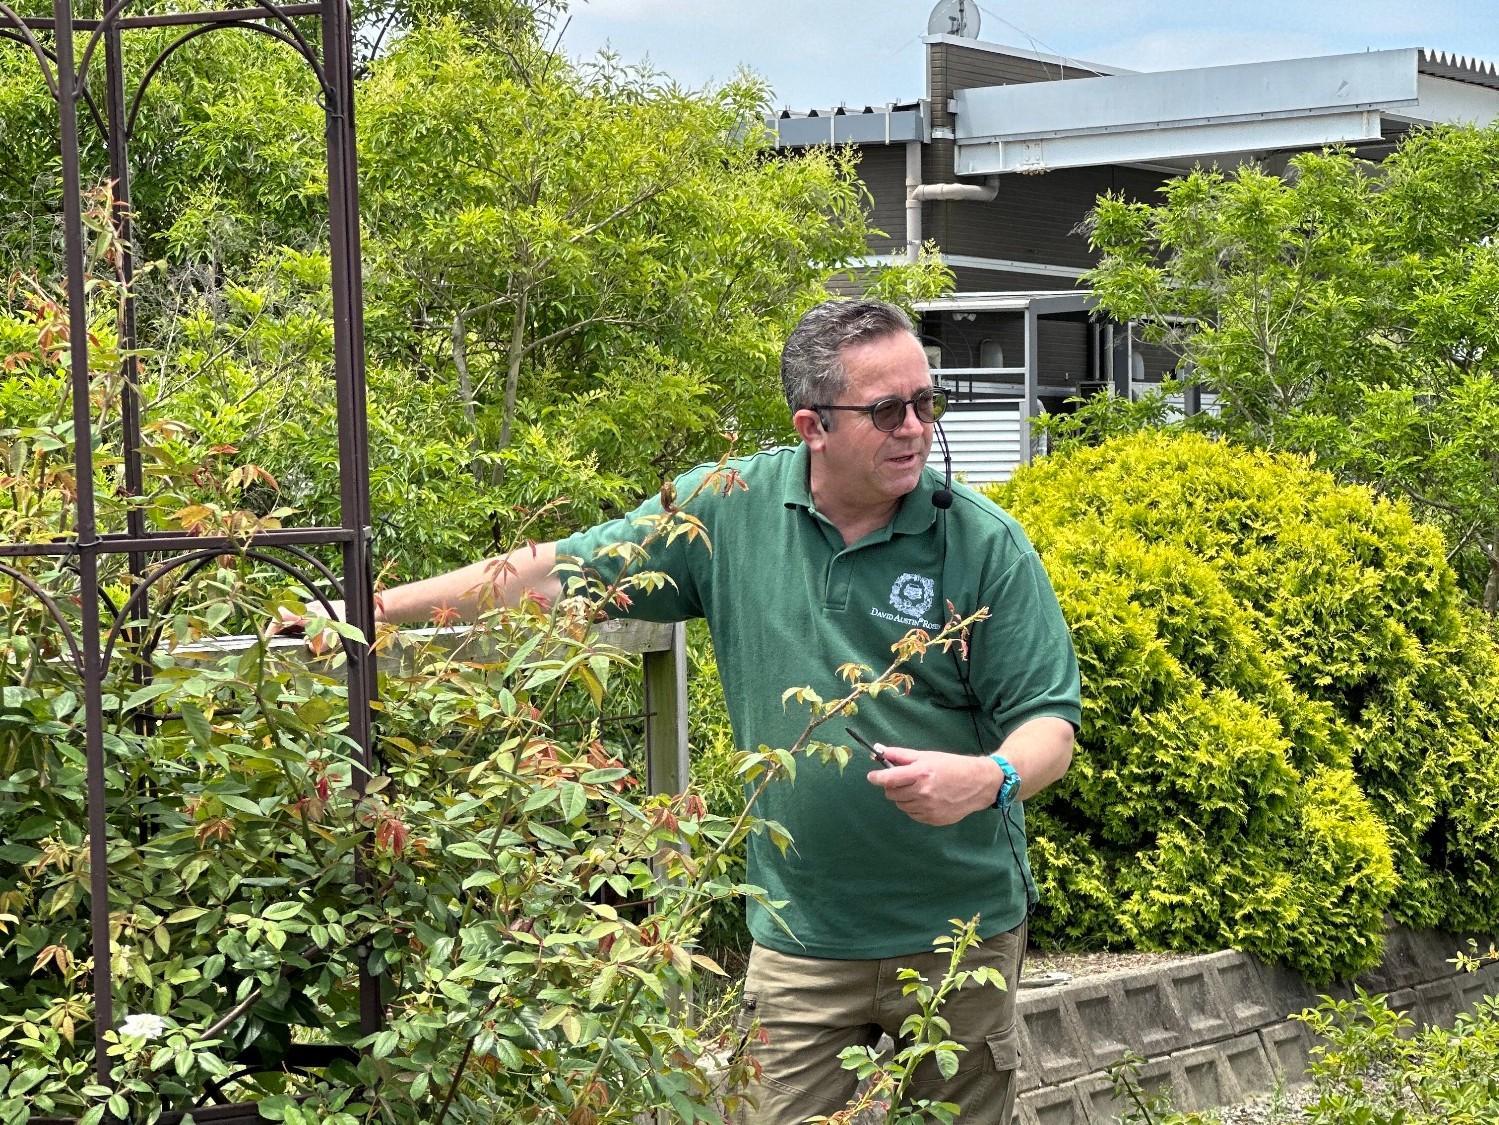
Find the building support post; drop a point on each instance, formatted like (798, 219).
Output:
(1028, 401)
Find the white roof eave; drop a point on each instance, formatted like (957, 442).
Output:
(1042, 300)
(1185, 114)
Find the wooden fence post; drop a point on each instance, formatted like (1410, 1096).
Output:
(665, 674)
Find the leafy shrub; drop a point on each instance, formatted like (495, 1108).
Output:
(256, 869)
(488, 843)
(1285, 704)
(1436, 1074)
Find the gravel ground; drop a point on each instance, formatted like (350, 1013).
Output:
(1038, 964)
(1287, 1107)
(1281, 1108)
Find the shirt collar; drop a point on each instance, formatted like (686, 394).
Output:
(915, 514)
(797, 487)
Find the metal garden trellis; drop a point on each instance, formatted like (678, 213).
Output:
(153, 555)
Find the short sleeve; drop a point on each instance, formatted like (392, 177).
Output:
(684, 560)
(1024, 666)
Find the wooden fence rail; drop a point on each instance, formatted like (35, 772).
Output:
(662, 649)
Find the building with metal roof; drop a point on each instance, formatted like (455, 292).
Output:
(1002, 160)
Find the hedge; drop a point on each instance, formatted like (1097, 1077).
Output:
(1289, 710)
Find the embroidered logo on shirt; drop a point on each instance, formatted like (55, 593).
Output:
(912, 594)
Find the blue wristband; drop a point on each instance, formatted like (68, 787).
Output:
(1009, 788)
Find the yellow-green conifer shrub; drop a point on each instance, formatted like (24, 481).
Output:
(1289, 718)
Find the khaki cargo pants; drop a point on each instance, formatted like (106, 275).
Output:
(808, 1009)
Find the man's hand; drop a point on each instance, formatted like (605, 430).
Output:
(934, 787)
(939, 788)
(317, 643)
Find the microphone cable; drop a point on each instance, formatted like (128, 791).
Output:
(942, 497)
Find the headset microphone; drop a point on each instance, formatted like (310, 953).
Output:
(942, 497)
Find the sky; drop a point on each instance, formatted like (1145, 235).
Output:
(818, 55)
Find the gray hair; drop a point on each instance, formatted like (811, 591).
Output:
(812, 361)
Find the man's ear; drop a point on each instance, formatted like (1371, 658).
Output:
(809, 426)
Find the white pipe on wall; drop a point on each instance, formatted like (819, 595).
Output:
(981, 193)
(918, 193)
(913, 204)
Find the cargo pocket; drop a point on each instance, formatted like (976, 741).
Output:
(1004, 1049)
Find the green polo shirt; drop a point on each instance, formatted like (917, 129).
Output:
(787, 602)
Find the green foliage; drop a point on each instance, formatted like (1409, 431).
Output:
(258, 866)
(1344, 310)
(599, 252)
(1285, 703)
(487, 842)
(925, 1034)
(1373, 1068)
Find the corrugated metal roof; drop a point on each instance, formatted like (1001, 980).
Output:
(1459, 68)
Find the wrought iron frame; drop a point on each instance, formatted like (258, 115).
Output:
(53, 41)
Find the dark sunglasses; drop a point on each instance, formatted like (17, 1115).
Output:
(889, 412)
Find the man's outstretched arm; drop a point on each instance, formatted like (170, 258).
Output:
(466, 592)
(471, 590)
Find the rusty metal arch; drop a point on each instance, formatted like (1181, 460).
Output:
(195, 561)
(269, 9)
(187, 37)
(153, 638)
(50, 39)
(53, 610)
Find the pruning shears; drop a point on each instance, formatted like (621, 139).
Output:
(877, 755)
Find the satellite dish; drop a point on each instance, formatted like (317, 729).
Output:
(954, 17)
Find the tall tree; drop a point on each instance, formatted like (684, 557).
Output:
(1347, 309)
(577, 275)
(576, 230)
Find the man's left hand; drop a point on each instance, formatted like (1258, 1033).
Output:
(937, 788)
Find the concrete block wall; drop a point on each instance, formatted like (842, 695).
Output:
(1214, 1028)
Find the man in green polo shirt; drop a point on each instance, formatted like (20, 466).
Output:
(837, 548)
